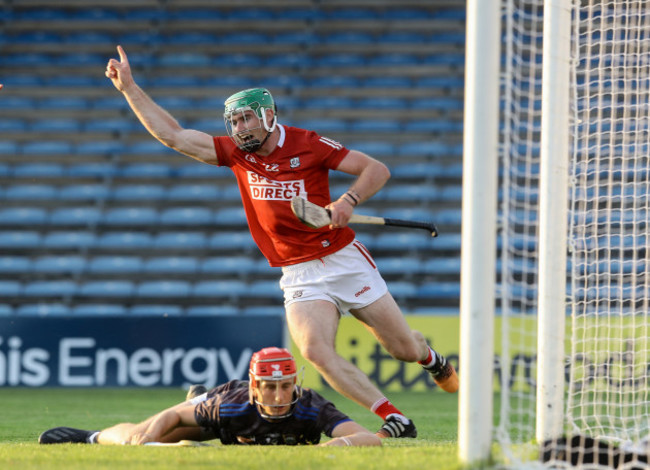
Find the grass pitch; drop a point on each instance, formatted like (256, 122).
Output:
(28, 412)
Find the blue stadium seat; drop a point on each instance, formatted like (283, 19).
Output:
(156, 310)
(230, 216)
(188, 216)
(438, 103)
(243, 37)
(191, 38)
(176, 102)
(378, 126)
(448, 217)
(442, 266)
(402, 289)
(348, 37)
(147, 170)
(92, 170)
(340, 60)
(10, 288)
(30, 192)
(226, 289)
(83, 192)
(60, 125)
(43, 310)
(439, 290)
(451, 193)
(177, 80)
(228, 81)
(235, 265)
(13, 239)
(172, 240)
(270, 289)
(194, 192)
(138, 192)
(425, 148)
(172, 265)
(402, 37)
(230, 193)
(446, 242)
(15, 265)
(91, 310)
(115, 265)
(58, 288)
(403, 241)
(116, 125)
(325, 125)
(125, 240)
(72, 264)
(264, 268)
(415, 170)
(79, 216)
(352, 14)
(9, 148)
(250, 14)
(38, 170)
(409, 213)
(399, 265)
(389, 82)
(238, 60)
(75, 81)
(163, 289)
(393, 59)
(110, 102)
(131, 216)
(107, 289)
(54, 147)
(277, 310)
(6, 310)
(305, 38)
(434, 126)
(335, 81)
(410, 192)
(329, 102)
(374, 148)
(232, 241)
(18, 102)
(13, 125)
(27, 216)
(212, 310)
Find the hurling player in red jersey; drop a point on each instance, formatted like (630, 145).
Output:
(271, 408)
(326, 272)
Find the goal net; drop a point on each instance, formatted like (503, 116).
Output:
(607, 346)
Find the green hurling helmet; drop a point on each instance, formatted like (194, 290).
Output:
(257, 100)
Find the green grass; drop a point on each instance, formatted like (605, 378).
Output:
(28, 412)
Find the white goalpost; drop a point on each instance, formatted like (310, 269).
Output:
(572, 333)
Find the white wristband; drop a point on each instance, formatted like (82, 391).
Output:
(346, 440)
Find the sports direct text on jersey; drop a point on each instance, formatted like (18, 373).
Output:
(270, 190)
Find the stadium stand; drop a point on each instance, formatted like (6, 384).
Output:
(98, 218)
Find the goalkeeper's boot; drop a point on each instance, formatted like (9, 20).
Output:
(195, 391)
(444, 375)
(64, 435)
(394, 427)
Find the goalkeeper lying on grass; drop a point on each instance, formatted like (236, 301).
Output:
(271, 408)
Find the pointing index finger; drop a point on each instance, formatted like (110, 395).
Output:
(122, 54)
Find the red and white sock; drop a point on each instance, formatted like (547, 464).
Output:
(384, 409)
(432, 359)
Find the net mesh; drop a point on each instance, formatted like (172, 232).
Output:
(607, 346)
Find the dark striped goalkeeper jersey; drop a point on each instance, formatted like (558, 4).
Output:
(228, 413)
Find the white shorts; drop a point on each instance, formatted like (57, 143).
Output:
(348, 278)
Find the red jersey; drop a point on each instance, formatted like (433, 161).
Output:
(299, 166)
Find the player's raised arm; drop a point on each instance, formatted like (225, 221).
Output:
(155, 119)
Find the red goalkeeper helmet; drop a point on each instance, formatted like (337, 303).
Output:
(273, 364)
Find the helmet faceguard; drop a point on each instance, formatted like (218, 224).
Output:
(257, 100)
(273, 364)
